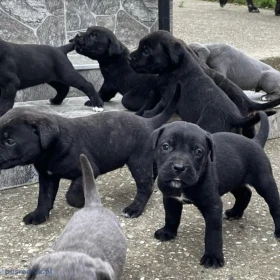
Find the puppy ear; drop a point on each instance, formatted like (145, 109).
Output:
(175, 51)
(156, 134)
(103, 275)
(211, 146)
(47, 130)
(202, 52)
(115, 47)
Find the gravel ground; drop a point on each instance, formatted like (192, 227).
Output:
(250, 250)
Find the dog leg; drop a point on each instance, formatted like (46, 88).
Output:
(75, 194)
(74, 79)
(251, 7)
(48, 186)
(158, 109)
(106, 93)
(267, 188)
(242, 198)
(141, 170)
(277, 8)
(8, 95)
(173, 211)
(152, 99)
(213, 255)
(62, 91)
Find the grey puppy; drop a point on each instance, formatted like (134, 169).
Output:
(246, 72)
(92, 245)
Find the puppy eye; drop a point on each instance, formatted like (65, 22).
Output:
(165, 146)
(145, 51)
(198, 152)
(9, 142)
(94, 35)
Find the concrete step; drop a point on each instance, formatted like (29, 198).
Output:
(74, 107)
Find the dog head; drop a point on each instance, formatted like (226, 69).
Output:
(98, 43)
(182, 152)
(70, 265)
(157, 52)
(24, 135)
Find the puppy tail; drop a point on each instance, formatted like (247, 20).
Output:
(252, 120)
(255, 106)
(262, 135)
(89, 186)
(168, 111)
(67, 48)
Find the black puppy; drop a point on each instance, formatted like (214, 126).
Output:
(202, 101)
(27, 65)
(53, 144)
(195, 166)
(112, 55)
(245, 105)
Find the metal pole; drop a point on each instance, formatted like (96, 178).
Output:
(164, 15)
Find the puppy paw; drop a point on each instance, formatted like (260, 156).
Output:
(212, 261)
(35, 218)
(230, 215)
(277, 234)
(76, 200)
(147, 114)
(54, 101)
(131, 212)
(96, 103)
(164, 235)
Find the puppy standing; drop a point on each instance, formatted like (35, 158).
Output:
(112, 55)
(202, 101)
(27, 65)
(53, 144)
(92, 245)
(195, 166)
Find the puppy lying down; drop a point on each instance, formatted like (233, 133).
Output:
(53, 144)
(197, 167)
(92, 245)
(248, 73)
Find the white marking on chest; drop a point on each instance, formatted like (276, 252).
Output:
(49, 172)
(183, 199)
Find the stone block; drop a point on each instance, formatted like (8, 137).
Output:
(128, 30)
(103, 7)
(144, 11)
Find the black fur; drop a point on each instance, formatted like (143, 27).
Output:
(195, 166)
(202, 101)
(27, 65)
(53, 144)
(101, 44)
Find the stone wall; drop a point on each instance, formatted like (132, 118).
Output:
(54, 22)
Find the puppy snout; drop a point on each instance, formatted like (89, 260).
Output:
(179, 167)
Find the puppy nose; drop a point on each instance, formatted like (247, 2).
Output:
(179, 167)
